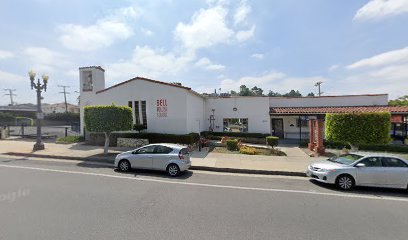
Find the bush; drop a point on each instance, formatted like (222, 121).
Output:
(70, 139)
(6, 118)
(272, 141)
(188, 139)
(235, 134)
(139, 127)
(247, 150)
(384, 148)
(358, 128)
(65, 116)
(232, 144)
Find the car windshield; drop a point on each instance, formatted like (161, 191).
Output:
(346, 159)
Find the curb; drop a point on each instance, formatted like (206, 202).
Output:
(200, 168)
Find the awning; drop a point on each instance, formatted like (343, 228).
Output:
(394, 110)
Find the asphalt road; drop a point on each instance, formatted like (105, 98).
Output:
(73, 200)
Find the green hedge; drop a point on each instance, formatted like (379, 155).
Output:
(272, 141)
(232, 144)
(235, 134)
(385, 148)
(6, 118)
(359, 128)
(98, 138)
(67, 117)
(108, 118)
(70, 139)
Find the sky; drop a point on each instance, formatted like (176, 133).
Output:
(353, 46)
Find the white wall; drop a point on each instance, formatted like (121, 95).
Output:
(195, 113)
(256, 109)
(357, 100)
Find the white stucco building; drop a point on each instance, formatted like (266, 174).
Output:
(168, 108)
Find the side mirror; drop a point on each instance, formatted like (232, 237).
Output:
(360, 165)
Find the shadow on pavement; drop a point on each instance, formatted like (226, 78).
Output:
(152, 173)
(389, 192)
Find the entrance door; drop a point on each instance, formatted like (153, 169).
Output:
(277, 127)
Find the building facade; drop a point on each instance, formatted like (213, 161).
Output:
(170, 108)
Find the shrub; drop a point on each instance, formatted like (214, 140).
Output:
(139, 127)
(6, 118)
(70, 139)
(225, 139)
(247, 150)
(384, 148)
(232, 144)
(272, 141)
(106, 119)
(359, 128)
(235, 134)
(65, 116)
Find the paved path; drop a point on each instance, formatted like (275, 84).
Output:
(53, 200)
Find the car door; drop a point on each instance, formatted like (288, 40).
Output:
(372, 174)
(162, 157)
(143, 157)
(397, 172)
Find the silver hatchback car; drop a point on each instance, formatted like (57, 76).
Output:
(171, 158)
(361, 169)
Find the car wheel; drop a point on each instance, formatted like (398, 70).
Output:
(173, 170)
(345, 182)
(124, 165)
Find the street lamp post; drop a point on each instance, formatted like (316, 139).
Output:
(38, 87)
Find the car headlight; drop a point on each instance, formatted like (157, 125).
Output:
(326, 170)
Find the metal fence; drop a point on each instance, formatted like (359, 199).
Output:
(47, 131)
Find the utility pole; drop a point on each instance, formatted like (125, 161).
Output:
(11, 94)
(65, 95)
(318, 85)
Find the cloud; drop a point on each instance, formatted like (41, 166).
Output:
(206, 64)
(149, 62)
(44, 59)
(245, 35)
(258, 56)
(208, 27)
(146, 32)
(391, 57)
(101, 34)
(12, 78)
(334, 67)
(378, 9)
(6, 55)
(242, 12)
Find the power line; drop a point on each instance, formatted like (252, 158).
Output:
(65, 95)
(11, 94)
(318, 85)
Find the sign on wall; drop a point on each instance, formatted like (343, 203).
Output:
(162, 107)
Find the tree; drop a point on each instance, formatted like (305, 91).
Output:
(311, 94)
(401, 101)
(274, 94)
(244, 91)
(293, 93)
(233, 93)
(107, 119)
(257, 91)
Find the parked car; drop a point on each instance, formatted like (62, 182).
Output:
(171, 158)
(361, 169)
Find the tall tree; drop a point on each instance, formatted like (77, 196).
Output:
(244, 91)
(257, 91)
(274, 94)
(311, 94)
(401, 101)
(293, 93)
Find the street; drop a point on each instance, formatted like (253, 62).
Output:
(46, 199)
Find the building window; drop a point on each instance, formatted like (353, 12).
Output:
(144, 116)
(137, 116)
(302, 121)
(87, 82)
(235, 125)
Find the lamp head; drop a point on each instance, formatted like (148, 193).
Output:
(31, 73)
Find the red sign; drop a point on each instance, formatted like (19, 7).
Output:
(161, 107)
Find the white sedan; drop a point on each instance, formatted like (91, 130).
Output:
(361, 169)
(171, 158)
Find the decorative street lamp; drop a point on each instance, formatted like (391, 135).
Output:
(39, 145)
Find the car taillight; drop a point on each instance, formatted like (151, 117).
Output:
(181, 156)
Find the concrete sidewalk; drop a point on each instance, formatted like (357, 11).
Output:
(295, 163)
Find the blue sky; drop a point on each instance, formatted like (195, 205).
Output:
(354, 47)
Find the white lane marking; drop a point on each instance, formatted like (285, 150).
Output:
(344, 195)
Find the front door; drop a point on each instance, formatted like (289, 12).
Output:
(277, 127)
(372, 174)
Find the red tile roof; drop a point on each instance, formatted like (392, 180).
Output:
(348, 109)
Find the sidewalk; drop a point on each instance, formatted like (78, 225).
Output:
(293, 164)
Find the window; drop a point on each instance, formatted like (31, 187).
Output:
(144, 116)
(235, 125)
(393, 162)
(163, 150)
(372, 162)
(302, 121)
(136, 113)
(146, 150)
(87, 84)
